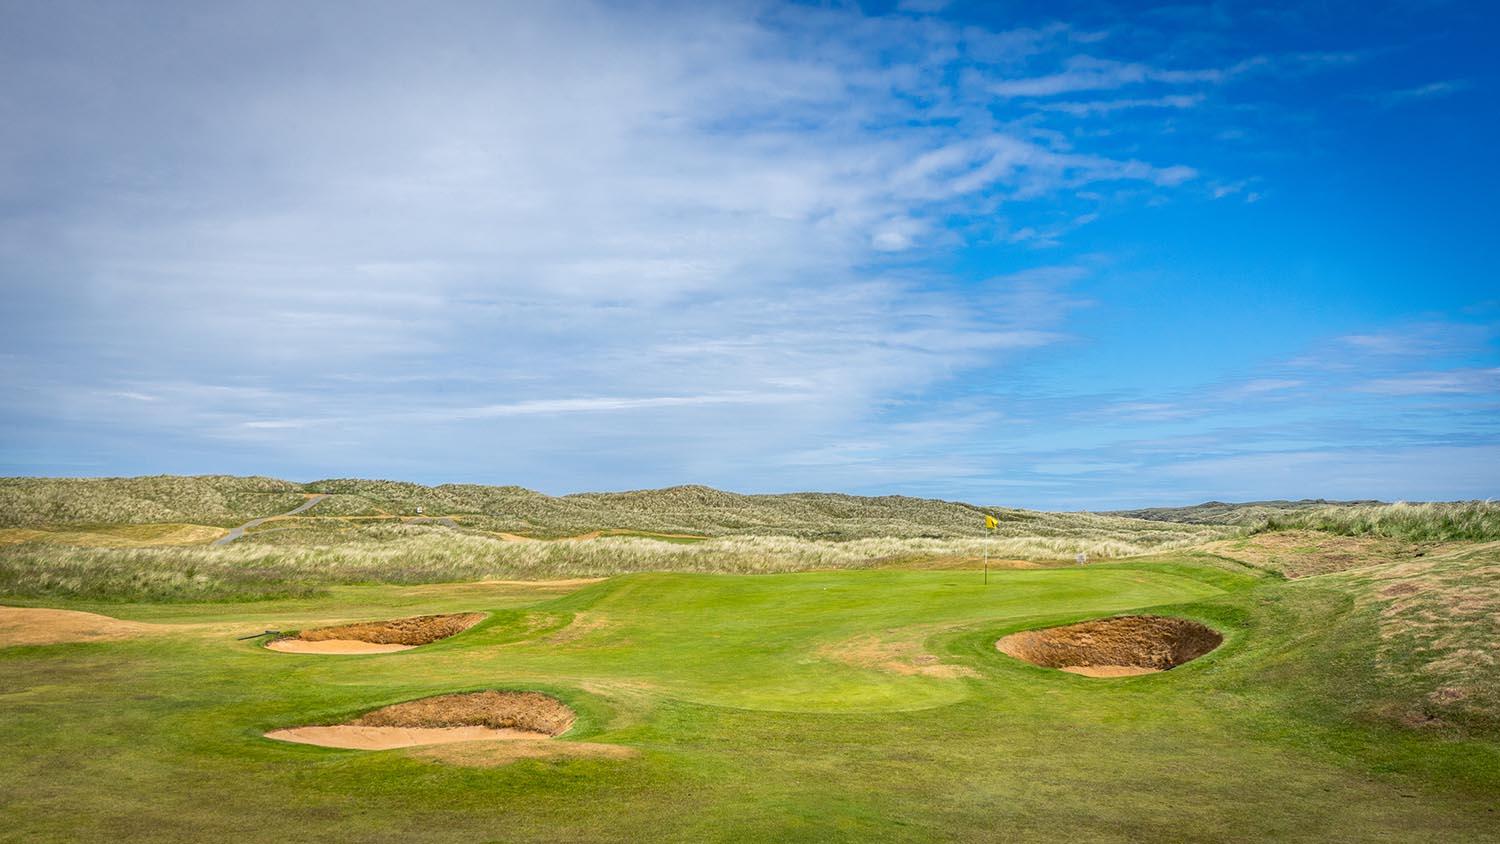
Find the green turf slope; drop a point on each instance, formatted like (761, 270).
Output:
(758, 716)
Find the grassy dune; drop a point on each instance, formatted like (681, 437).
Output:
(1436, 521)
(289, 562)
(1467, 521)
(217, 500)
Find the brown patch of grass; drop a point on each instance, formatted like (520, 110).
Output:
(1306, 553)
(27, 626)
(529, 711)
(495, 754)
(583, 623)
(959, 562)
(1143, 641)
(15, 536)
(116, 536)
(902, 655)
(1439, 619)
(418, 630)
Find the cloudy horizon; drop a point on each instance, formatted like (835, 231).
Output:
(1073, 255)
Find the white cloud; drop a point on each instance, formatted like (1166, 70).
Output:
(1261, 386)
(1430, 91)
(1086, 73)
(554, 407)
(1477, 381)
(1178, 101)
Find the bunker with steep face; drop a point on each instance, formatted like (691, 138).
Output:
(1114, 647)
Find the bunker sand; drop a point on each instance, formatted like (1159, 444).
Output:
(355, 737)
(334, 646)
(376, 637)
(1109, 670)
(1122, 646)
(444, 719)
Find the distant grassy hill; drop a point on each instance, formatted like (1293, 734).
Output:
(224, 500)
(1248, 513)
(1431, 521)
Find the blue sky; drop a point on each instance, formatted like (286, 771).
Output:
(1066, 255)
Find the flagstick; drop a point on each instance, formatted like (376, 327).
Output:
(986, 565)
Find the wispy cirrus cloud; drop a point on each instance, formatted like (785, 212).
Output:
(1087, 73)
(1461, 381)
(1102, 107)
(1418, 93)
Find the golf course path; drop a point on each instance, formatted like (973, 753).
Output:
(236, 533)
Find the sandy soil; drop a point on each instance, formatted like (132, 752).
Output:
(334, 646)
(444, 719)
(529, 711)
(355, 737)
(417, 630)
(28, 626)
(1109, 670)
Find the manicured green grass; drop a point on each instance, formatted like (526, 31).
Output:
(755, 718)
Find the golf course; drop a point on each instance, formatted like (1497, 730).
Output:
(869, 702)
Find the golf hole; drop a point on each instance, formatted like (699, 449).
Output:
(1114, 647)
(470, 716)
(373, 637)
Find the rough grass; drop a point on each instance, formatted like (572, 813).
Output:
(1457, 521)
(1439, 621)
(1306, 553)
(116, 536)
(1245, 514)
(204, 500)
(408, 554)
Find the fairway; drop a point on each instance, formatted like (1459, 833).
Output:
(816, 706)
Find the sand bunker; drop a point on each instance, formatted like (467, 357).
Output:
(333, 646)
(376, 637)
(352, 737)
(473, 716)
(1114, 647)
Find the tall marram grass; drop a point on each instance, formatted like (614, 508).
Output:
(1456, 521)
(422, 554)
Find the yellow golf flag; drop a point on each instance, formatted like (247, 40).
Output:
(990, 523)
